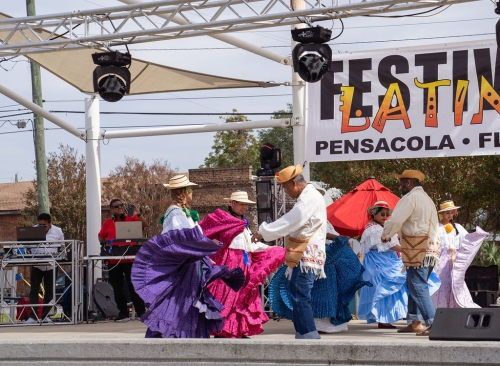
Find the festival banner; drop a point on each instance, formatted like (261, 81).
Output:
(433, 101)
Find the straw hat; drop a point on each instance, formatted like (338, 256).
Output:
(447, 206)
(411, 174)
(179, 181)
(382, 204)
(288, 173)
(239, 196)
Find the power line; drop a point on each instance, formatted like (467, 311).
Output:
(18, 114)
(181, 113)
(386, 25)
(165, 99)
(336, 43)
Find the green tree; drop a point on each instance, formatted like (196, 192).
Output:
(67, 192)
(234, 147)
(281, 137)
(488, 255)
(470, 181)
(138, 183)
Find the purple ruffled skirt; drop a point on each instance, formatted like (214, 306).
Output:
(171, 273)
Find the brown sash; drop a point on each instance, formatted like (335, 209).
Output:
(295, 249)
(413, 248)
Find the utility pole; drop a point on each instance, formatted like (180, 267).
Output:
(39, 130)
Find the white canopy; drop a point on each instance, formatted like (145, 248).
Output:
(76, 67)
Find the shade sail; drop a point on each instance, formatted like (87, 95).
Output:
(76, 67)
(348, 214)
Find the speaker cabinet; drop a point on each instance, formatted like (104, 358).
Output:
(466, 325)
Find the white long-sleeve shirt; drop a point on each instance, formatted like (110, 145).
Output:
(306, 220)
(415, 215)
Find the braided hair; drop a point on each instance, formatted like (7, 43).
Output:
(452, 222)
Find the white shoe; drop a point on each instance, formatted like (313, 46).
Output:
(31, 321)
(324, 325)
(47, 320)
(122, 320)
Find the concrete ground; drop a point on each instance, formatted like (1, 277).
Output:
(110, 343)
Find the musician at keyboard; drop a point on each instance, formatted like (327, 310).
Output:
(45, 273)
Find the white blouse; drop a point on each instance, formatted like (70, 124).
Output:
(452, 239)
(243, 241)
(371, 239)
(176, 219)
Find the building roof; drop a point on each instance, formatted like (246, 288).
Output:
(12, 195)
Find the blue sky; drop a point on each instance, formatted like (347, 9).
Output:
(461, 22)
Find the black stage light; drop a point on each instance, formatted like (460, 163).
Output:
(270, 160)
(311, 57)
(111, 78)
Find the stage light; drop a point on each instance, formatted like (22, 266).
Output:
(270, 160)
(311, 57)
(111, 78)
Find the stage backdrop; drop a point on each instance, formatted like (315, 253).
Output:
(407, 103)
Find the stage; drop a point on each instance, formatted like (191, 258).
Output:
(111, 343)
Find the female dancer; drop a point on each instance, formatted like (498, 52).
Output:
(172, 270)
(387, 301)
(243, 310)
(458, 249)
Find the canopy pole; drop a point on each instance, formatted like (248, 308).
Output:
(176, 130)
(93, 184)
(42, 112)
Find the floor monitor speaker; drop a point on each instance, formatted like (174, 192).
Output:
(476, 324)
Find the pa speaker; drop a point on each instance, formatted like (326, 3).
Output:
(466, 325)
(104, 298)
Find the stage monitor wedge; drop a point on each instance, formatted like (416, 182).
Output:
(474, 324)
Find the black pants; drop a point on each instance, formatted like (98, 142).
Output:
(37, 275)
(116, 279)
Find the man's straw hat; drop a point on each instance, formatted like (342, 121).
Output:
(179, 181)
(411, 174)
(239, 196)
(288, 173)
(447, 206)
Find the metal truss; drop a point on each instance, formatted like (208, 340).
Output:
(156, 21)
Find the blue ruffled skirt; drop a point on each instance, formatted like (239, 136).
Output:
(330, 296)
(387, 300)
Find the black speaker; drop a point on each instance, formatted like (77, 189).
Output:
(104, 298)
(466, 325)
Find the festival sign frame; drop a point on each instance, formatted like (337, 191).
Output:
(415, 102)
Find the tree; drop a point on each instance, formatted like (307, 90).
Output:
(470, 181)
(67, 192)
(281, 137)
(137, 183)
(488, 255)
(233, 148)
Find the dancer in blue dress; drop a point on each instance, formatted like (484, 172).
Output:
(387, 301)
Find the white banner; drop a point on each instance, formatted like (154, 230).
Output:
(441, 100)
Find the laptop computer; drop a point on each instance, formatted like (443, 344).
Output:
(128, 230)
(30, 233)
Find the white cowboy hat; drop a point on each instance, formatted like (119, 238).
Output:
(239, 196)
(179, 181)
